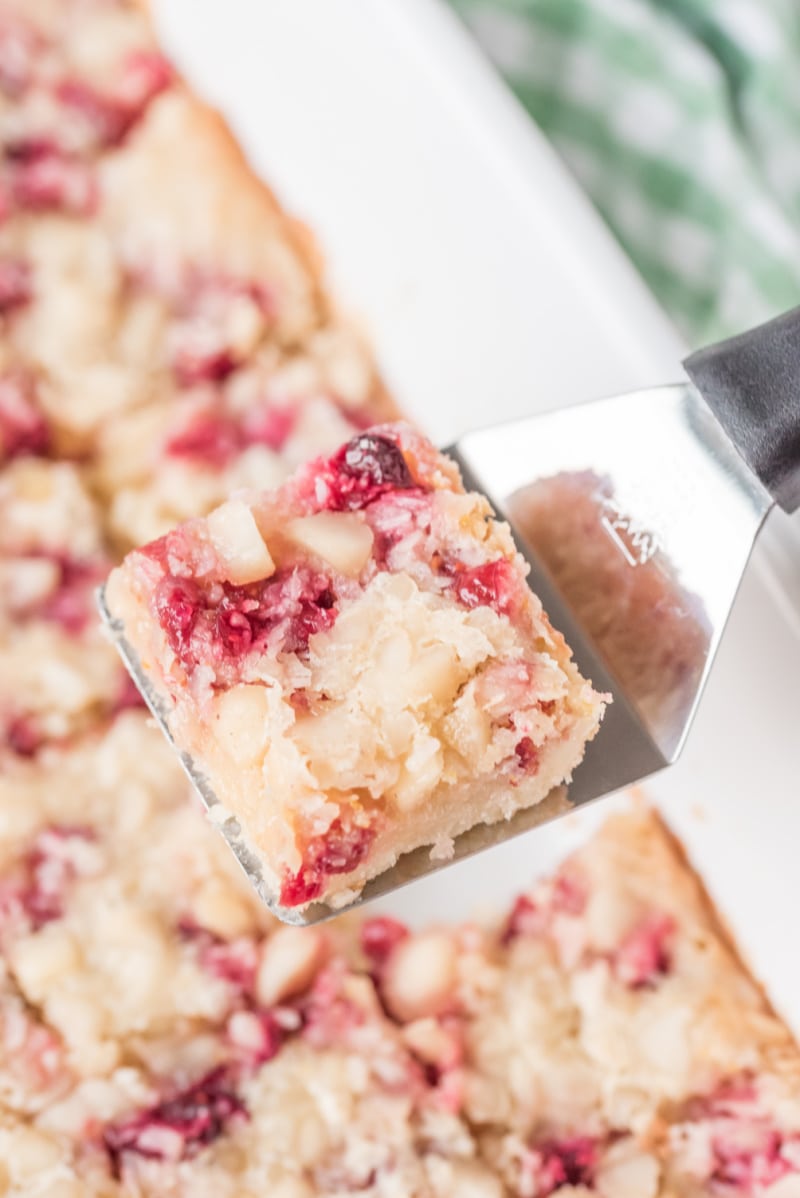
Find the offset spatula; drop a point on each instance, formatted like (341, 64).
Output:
(676, 482)
(689, 473)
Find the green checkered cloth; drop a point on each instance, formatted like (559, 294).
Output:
(681, 119)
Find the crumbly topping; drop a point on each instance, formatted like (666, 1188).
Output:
(365, 640)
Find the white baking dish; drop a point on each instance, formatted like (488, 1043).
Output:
(492, 290)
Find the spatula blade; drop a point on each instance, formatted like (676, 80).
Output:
(676, 512)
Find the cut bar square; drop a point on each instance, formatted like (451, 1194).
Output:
(356, 664)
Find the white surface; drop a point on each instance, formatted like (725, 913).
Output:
(491, 291)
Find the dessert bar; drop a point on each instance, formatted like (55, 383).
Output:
(355, 663)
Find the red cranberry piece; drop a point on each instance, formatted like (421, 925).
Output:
(23, 428)
(292, 606)
(565, 895)
(23, 737)
(201, 353)
(108, 120)
(273, 1036)
(234, 961)
(45, 179)
(341, 849)
(44, 900)
(299, 601)
(309, 602)
(263, 1036)
(30, 149)
(365, 468)
(306, 599)
(189, 929)
(158, 550)
(328, 1014)
(15, 284)
(18, 47)
(70, 605)
(216, 438)
(644, 955)
(38, 892)
(193, 364)
(197, 1116)
(207, 297)
(235, 631)
(525, 919)
(37, 1049)
(70, 602)
(449, 1089)
(145, 75)
(749, 1159)
(732, 1098)
(207, 438)
(493, 584)
(376, 459)
(111, 116)
(202, 299)
(316, 615)
(569, 895)
(565, 1162)
(178, 602)
(300, 888)
(394, 517)
(272, 426)
(129, 696)
(527, 755)
(237, 623)
(380, 936)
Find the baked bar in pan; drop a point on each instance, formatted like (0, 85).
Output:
(355, 663)
(163, 1035)
(625, 1044)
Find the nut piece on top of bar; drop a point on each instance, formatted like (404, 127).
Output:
(356, 664)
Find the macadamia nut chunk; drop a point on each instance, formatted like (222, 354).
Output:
(356, 663)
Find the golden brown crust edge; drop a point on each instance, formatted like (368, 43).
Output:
(300, 239)
(641, 841)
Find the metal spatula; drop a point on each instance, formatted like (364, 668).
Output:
(677, 482)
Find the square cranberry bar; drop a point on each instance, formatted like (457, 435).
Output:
(356, 664)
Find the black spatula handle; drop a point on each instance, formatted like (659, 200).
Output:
(752, 385)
